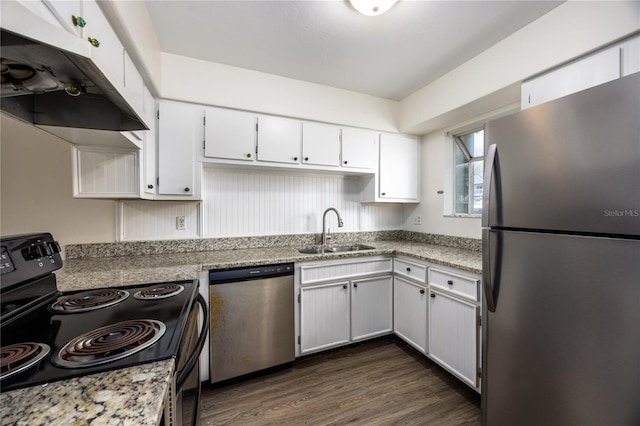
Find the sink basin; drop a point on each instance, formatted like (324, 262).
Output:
(335, 249)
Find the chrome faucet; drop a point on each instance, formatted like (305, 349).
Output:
(325, 233)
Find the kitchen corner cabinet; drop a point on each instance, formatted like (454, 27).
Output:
(398, 175)
(454, 323)
(230, 134)
(343, 301)
(180, 132)
(279, 139)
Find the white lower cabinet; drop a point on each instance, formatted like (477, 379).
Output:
(453, 335)
(410, 312)
(324, 316)
(343, 301)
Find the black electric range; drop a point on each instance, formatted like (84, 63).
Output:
(66, 335)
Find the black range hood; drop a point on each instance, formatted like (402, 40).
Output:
(45, 85)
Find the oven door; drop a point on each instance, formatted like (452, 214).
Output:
(182, 407)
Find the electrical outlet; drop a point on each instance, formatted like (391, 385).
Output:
(417, 220)
(181, 223)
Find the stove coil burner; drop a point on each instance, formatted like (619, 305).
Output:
(21, 356)
(109, 343)
(158, 291)
(89, 300)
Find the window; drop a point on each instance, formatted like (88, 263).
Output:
(467, 172)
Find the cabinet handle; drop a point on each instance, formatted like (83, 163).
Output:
(433, 295)
(408, 269)
(94, 41)
(78, 21)
(249, 155)
(346, 162)
(306, 158)
(344, 286)
(187, 189)
(150, 186)
(422, 291)
(295, 158)
(355, 285)
(384, 193)
(450, 282)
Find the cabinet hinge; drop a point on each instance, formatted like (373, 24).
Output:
(204, 144)
(479, 372)
(256, 127)
(204, 121)
(299, 340)
(157, 181)
(479, 320)
(158, 114)
(299, 298)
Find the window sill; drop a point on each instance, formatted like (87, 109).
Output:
(468, 216)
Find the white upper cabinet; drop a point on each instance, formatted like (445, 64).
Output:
(359, 148)
(320, 144)
(230, 134)
(600, 67)
(398, 175)
(180, 130)
(631, 56)
(65, 11)
(399, 157)
(279, 139)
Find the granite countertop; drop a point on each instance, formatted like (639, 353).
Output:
(135, 395)
(97, 272)
(128, 396)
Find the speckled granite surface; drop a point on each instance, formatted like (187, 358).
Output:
(96, 272)
(129, 396)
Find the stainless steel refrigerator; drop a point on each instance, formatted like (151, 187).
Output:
(561, 262)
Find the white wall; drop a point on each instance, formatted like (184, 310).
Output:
(209, 83)
(36, 189)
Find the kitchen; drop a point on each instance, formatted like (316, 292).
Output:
(463, 96)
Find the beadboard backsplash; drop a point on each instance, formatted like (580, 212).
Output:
(241, 203)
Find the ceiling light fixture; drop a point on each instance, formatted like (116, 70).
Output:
(372, 7)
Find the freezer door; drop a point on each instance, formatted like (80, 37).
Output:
(563, 345)
(568, 165)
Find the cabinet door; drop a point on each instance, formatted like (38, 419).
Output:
(64, 11)
(109, 55)
(359, 148)
(453, 335)
(371, 307)
(410, 313)
(398, 167)
(133, 86)
(149, 148)
(179, 131)
(230, 134)
(324, 316)
(631, 56)
(320, 144)
(279, 139)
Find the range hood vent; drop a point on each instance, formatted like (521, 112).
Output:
(45, 85)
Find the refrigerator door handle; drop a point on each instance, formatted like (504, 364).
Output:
(487, 284)
(490, 166)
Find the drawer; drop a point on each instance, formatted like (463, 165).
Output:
(460, 285)
(330, 271)
(407, 269)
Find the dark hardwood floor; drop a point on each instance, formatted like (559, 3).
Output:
(383, 382)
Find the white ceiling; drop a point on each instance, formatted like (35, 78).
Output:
(327, 42)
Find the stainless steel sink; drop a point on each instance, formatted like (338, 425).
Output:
(334, 249)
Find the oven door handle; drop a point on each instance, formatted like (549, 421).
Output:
(195, 355)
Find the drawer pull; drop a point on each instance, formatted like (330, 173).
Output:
(408, 269)
(450, 282)
(433, 295)
(422, 291)
(355, 285)
(344, 286)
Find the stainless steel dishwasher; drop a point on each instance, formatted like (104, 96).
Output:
(252, 320)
